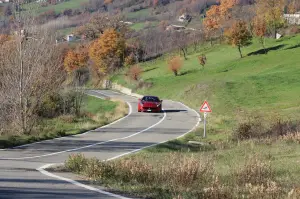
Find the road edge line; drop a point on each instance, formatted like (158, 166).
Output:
(43, 171)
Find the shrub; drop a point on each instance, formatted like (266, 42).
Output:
(56, 104)
(135, 72)
(249, 129)
(76, 163)
(129, 60)
(260, 128)
(174, 64)
(202, 60)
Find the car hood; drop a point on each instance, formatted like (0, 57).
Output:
(150, 104)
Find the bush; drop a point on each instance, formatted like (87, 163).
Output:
(249, 129)
(135, 72)
(175, 64)
(57, 104)
(76, 163)
(257, 127)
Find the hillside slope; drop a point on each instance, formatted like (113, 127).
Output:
(258, 82)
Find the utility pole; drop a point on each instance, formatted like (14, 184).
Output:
(21, 76)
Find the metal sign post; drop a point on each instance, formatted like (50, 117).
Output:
(204, 122)
(205, 108)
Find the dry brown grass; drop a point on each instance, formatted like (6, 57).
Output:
(184, 176)
(254, 171)
(291, 137)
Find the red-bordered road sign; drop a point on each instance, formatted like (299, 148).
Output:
(205, 107)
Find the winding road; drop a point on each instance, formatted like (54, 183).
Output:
(22, 169)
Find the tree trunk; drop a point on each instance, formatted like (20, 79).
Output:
(175, 72)
(184, 53)
(239, 47)
(263, 45)
(275, 30)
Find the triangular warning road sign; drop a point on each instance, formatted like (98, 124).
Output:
(205, 107)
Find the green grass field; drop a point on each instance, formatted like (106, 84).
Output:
(138, 14)
(97, 112)
(142, 25)
(58, 8)
(256, 83)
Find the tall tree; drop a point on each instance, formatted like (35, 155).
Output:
(30, 70)
(292, 7)
(260, 29)
(75, 59)
(107, 52)
(100, 22)
(212, 21)
(272, 11)
(217, 16)
(238, 35)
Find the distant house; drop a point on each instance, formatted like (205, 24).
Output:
(178, 28)
(175, 27)
(126, 22)
(184, 18)
(292, 18)
(5, 1)
(70, 37)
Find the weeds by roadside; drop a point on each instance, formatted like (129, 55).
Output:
(70, 124)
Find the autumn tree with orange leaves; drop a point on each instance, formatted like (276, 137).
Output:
(217, 15)
(238, 35)
(107, 52)
(260, 30)
(272, 12)
(76, 59)
(174, 64)
(292, 7)
(135, 72)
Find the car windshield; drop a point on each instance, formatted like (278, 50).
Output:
(150, 99)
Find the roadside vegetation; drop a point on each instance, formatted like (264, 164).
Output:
(262, 164)
(94, 113)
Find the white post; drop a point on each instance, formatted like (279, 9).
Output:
(204, 133)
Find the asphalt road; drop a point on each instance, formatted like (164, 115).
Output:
(21, 168)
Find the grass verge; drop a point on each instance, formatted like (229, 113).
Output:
(219, 167)
(95, 112)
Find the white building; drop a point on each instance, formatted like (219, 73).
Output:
(70, 37)
(292, 18)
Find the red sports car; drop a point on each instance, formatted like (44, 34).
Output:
(150, 104)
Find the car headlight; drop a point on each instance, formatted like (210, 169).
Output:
(158, 105)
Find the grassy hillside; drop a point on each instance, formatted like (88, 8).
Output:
(58, 8)
(223, 165)
(258, 82)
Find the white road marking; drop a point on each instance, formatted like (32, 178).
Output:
(88, 146)
(129, 113)
(43, 171)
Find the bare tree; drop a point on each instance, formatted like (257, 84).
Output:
(30, 68)
(180, 39)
